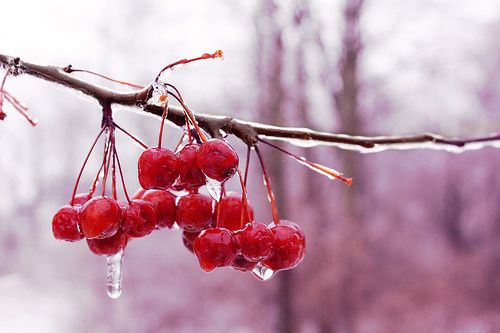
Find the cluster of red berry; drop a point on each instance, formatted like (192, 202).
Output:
(220, 232)
(219, 229)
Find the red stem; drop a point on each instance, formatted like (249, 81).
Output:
(83, 167)
(269, 188)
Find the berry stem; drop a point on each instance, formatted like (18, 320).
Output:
(106, 161)
(267, 181)
(244, 203)
(121, 175)
(69, 69)
(83, 167)
(163, 116)
(189, 116)
(330, 173)
(133, 137)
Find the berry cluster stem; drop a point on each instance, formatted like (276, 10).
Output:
(270, 193)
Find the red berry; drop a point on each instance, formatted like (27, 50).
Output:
(217, 159)
(190, 174)
(256, 242)
(139, 218)
(158, 168)
(215, 247)
(81, 199)
(108, 246)
(188, 239)
(100, 217)
(194, 212)
(241, 264)
(289, 244)
(65, 224)
(164, 203)
(139, 193)
(228, 213)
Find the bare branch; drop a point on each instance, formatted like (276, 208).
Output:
(247, 131)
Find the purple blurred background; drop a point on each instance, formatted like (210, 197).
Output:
(411, 246)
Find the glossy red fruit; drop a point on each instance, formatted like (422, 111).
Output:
(241, 264)
(164, 203)
(190, 174)
(289, 245)
(228, 214)
(65, 224)
(139, 193)
(188, 239)
(158, 168)
(217, 159)
(194, 212)
(100, 217)
(108, 246)
(139, 218)
(81, 199)
(215, 247)
(256, 242)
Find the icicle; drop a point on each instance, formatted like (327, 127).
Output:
(214, 187)
(114, 274)
(262, 273)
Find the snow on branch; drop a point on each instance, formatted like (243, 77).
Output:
(249, 132)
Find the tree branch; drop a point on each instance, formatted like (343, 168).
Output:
(249, 132)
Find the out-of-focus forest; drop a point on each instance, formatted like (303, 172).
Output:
(412, 246)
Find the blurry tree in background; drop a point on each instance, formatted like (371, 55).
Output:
(412, 245)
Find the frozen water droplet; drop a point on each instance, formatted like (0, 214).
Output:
(114, 274)
(159, 94)
(214, 187)
(262, 273)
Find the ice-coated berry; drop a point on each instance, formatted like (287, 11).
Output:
(108, 246)
(139, 218)
(217, 159)
(229, 212)
(256, 242)
(164, 203)
(190, 174)
(81, 198)
(194, 212)
(188, 239)
(65, 224)
(158, 168)
(100, 217)
(241, 264)
(289, 246)
(215, 247)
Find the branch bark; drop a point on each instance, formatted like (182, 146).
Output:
(249, 132)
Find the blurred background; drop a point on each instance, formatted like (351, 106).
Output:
(412, 246)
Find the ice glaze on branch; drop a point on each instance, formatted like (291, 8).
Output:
(246, 131)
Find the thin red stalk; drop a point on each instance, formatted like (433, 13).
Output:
(315, 166)
(268, 185)
(216, 54)
(121, 175)
(249, 149)
(113, 174)
(71, 70)
(131, 136)
(244, 203)
(190, 116)
(163, 116)
(83, 167)
(106, 162)
(22, 109)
